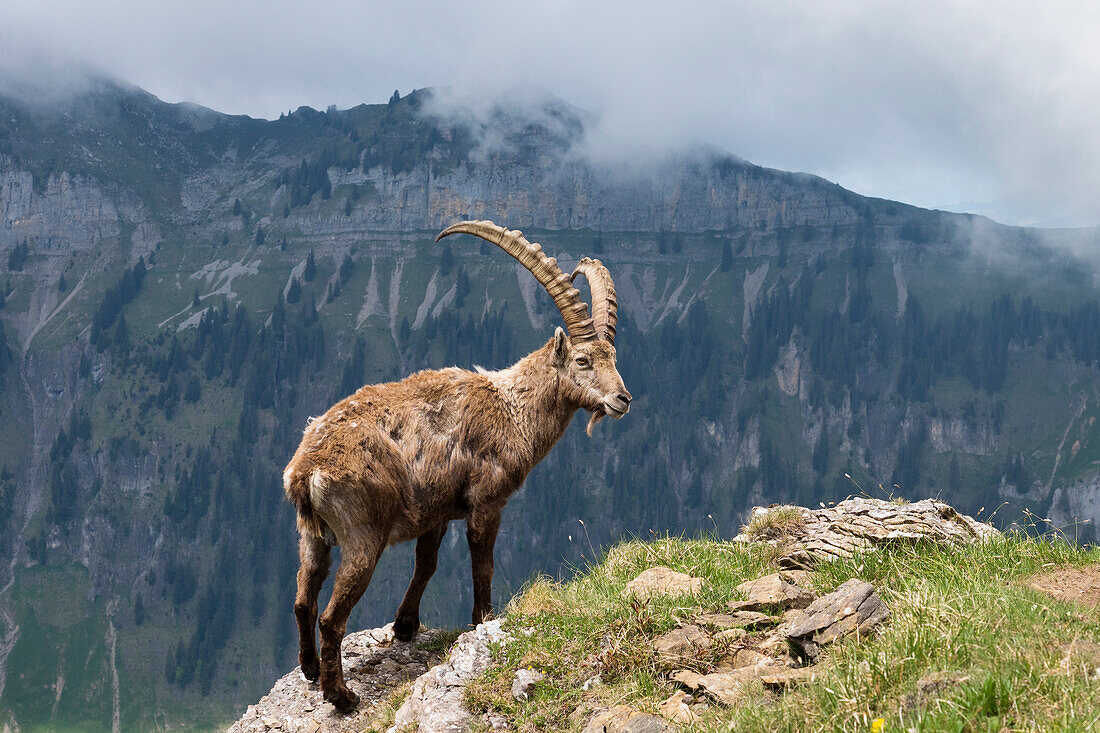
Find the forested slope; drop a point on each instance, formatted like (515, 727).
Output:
(183, 289)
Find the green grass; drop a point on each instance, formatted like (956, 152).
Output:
(960, 614)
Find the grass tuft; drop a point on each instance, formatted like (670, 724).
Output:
(775, 522)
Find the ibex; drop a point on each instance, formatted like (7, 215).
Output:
(398, 461)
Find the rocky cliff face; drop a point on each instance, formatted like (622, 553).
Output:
(707, 194)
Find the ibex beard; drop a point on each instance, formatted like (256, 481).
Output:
(398, 461)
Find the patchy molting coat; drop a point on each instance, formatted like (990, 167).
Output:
(407, 455)
(398, 461)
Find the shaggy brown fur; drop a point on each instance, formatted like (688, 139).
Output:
(395, 462)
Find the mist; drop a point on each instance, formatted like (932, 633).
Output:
(986, 108)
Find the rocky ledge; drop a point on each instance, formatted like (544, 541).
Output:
(375, 664)
(768, 637)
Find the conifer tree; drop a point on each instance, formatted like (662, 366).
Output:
(727, 257)
(311, 268)
(294, 292)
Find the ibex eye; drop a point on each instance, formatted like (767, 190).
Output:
(582, 361)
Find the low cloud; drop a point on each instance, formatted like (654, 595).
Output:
(983, 106)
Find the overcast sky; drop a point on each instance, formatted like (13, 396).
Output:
(982, 106)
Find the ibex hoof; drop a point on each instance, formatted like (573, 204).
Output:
(405, 628)
(311, 670)
(343, 699)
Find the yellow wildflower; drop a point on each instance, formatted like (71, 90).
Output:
(877, 725)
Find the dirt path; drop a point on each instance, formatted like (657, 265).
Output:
(1076, 584)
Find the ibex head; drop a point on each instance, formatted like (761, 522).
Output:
(585, 357)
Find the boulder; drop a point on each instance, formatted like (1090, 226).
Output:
(662, 581)
(858, 525)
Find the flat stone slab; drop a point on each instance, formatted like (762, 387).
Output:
(737, 620)
(858, 525)
(771, 591)
(682, 644)
(736, 686)
(662, 581)
(374, 664)
(729, 687)
(623, 719)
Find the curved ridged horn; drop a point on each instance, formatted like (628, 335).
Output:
(545, 269)
(605, 307)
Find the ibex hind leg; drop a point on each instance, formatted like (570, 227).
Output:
(352, 578)
(313, 554)
(407, 621)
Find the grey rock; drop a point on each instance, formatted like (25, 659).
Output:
(743, 657)
(854, 607)
(436, 701)
(525, 682)
(645, 723)
(931, 689)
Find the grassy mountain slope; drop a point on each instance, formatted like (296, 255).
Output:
(968, 645)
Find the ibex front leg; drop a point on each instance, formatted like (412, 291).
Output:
(481, 534)
(407, 621)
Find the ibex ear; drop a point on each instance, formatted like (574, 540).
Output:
(561, 346)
